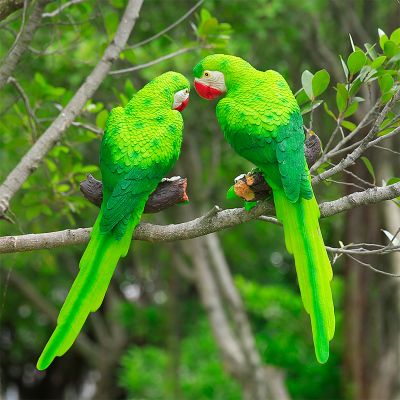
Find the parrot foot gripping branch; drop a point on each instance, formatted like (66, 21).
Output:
(253, 187)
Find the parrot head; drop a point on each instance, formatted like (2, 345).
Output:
(215, 74)
(181, 99)
(172, 88)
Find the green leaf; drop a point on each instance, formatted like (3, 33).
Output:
(123, 99)
(378, 62)
(306, 81)
(385, 83)
(392, 181)
(387, 96)
(320, 82)
(301, 97)
(345, 69)
(348, 125)
(370, 50)
(353, 107)
(129, 88)
(101, 119)
(352, 42)
(369, 166)
(111, 23)
(311, 106)
(341, 97)
(62, 187)
(366, 73)
(329, 112)
(205, 14)
(390, 49)
(395, 36)
(382, 38)
(355, 86)
(356, 61)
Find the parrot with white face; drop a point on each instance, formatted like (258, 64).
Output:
(141, 144)
(261, 120)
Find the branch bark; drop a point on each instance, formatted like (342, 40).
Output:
(214, 221)
(169, 191)
(34, 156)
(22, 42)
(259, 381)
(7, 7)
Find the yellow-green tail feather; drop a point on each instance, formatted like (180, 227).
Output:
(97, 266)
(314, 272)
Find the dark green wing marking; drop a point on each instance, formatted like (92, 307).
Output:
(292, 163)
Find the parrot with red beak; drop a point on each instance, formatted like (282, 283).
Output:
(141, 143)
(261, 120)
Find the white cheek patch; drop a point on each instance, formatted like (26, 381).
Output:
(180, 97)
(216, 80)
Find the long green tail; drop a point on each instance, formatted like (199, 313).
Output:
(97, 266)
(314, 272)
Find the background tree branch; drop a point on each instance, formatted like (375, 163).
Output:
(22, 41)
(34, 156)
(7, 7)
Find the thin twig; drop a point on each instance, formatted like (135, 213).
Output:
(31, 114)
(167, 29)
(61, 8)
(89, 127)
(156, 61)
(379, 271)
(356, 153)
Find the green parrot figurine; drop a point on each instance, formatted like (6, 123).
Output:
(261, 120)
(141, 143)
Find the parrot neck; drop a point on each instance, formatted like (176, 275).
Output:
(146, 101)
(244, 80)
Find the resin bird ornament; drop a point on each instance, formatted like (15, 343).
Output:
(261, 120)
(141, 143)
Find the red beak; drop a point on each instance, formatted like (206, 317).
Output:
(183, 105)
(206, 92)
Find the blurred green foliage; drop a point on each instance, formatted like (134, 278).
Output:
(169, 351)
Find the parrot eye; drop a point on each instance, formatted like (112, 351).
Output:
(206, 74)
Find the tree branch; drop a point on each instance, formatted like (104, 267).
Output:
(351, 158)
(157, 60)
(169, 192)
(34, 156)
(7, 7)
(61, 8)
(31, 114)
(219, 220)
(168, 28)
(22, 42)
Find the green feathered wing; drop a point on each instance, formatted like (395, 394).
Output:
(139, 147)
(261, 120)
